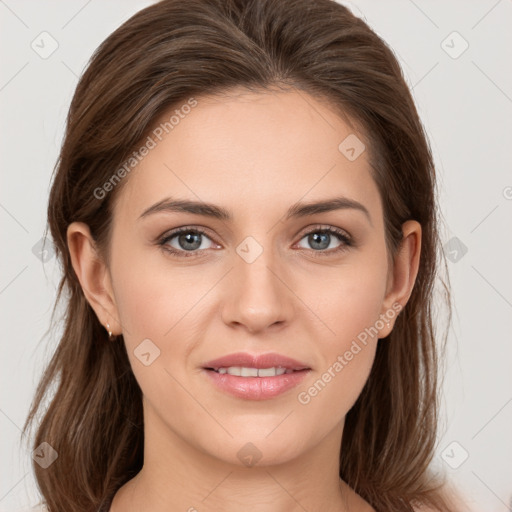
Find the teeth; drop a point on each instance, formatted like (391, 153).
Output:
(270, 372)
(246, 372)
(241, 371)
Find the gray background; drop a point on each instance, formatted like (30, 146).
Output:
(465, 101)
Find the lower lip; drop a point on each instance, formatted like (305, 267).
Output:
(256, 388)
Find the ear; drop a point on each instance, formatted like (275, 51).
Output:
(402, 275)
(93, 275)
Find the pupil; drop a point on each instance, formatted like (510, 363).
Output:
(190, 241)
(319, 238)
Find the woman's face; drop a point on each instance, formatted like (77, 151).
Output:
(265, 280)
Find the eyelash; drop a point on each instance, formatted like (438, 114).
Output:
(341, 235)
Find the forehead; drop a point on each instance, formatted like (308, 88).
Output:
(251, 150)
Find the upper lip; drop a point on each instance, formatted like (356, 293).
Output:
(246, 360)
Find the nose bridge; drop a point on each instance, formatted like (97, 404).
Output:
(257, 297)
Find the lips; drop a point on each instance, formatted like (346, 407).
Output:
(255, 377)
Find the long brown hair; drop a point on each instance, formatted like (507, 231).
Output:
(161, 57)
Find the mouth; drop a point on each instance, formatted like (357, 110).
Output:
(243, 371)
(243, 364)
(255, 377)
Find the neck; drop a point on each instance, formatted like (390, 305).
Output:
(178, 476)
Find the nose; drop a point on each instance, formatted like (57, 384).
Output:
(257, 296)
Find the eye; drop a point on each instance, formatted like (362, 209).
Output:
(191, 242)
(185, 242)
(327, 240)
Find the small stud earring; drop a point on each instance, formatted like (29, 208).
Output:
(109, 331)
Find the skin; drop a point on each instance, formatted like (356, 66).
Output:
(254, 154)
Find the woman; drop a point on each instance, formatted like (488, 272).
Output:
(244, 207)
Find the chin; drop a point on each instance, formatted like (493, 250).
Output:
(257, 450)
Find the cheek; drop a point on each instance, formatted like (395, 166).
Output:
(158, 303)
(347, 358)
(348, 299)
(153, 295)
(332, 393)
(349, 305)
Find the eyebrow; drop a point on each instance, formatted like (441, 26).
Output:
(297, 210)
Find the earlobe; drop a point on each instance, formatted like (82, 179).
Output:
(93, 275)
(404, 273)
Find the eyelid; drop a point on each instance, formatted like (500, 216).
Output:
(324, 227)
(176, 231)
